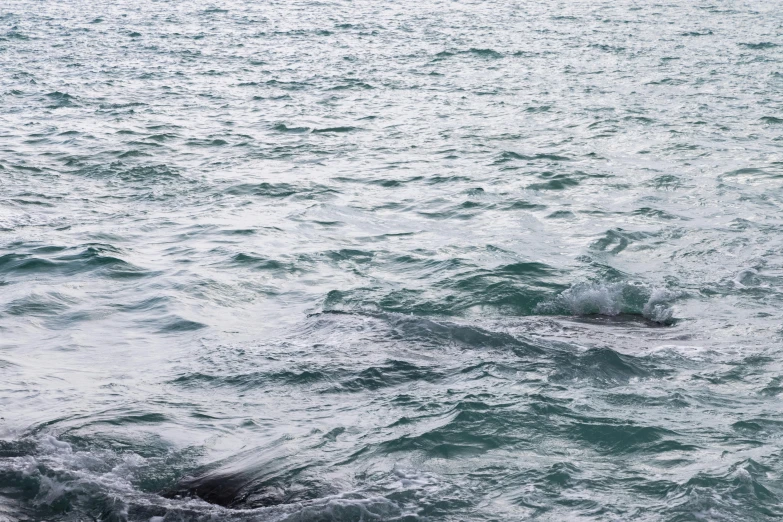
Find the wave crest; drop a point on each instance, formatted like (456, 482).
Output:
(611, 299)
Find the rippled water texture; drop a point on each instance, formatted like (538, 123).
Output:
(362, 260)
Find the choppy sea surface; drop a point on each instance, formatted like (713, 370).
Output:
(312, 260)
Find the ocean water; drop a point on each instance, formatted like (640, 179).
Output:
(337, 260)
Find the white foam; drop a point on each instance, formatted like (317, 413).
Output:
(658, 306)
(62, 470)
(613, 299)
(585, 299)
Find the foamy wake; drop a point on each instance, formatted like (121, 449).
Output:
(611, 299)
(103, 484)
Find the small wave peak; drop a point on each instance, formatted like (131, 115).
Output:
(611, 299)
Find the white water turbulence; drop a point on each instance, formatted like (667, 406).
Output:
(331, 260)
(613, 299)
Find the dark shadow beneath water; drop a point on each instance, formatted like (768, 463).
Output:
(252, 487)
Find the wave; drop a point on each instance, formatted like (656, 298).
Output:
(603, 367)
(96, 258)
(139, 174)
(459, 287)
(46, 478)
(613, 299)
(280, 190)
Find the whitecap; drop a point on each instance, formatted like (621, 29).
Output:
(612, 299)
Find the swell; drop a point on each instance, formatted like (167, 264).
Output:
(467, 394)
(99, 259)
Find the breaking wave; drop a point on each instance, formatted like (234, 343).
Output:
(612, 299)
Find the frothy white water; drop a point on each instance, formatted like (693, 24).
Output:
(613, 299)
(64, 475)
(658, 307)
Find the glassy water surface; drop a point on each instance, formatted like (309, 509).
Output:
(358, 260)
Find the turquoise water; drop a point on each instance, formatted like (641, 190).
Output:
(357, 260)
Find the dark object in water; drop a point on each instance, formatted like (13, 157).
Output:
(249, 483)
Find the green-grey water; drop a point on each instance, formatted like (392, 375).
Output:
(356, 260)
